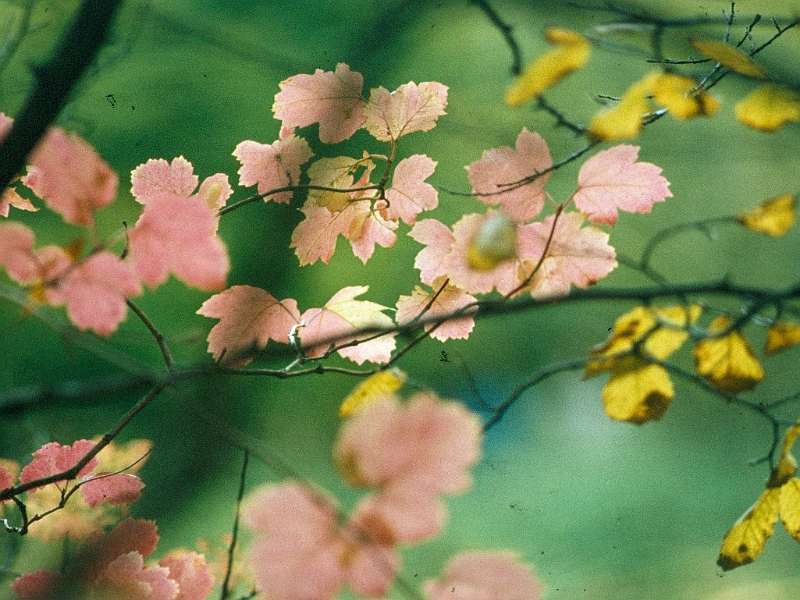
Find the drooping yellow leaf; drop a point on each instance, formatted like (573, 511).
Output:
(624, 120)
(570, 54)
(787, 465)
(746, 539)
(768, 107)
(729, 57)
(774, 217)
(373, 387)
(637, 391)
(681, 96)
(781, 335)
(790, 507)
(728, 361)
(664, 327)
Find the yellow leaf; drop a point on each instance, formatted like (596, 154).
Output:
(790, 507)
(571, 54)
(729, 57)
(787, 465)
(624, 120)
(774, 217)
(637, 392)
(728, 361)
(664, 327)
(494, 242)
(746, 539)
(781, 335)
(373, 387)
(681, 96)
(768, 107)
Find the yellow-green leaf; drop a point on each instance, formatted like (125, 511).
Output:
(683, 98)
(637, 392)
(728, 361)
(774, 217)
(494, 242)
(729, 57)
(746, 539)
(790, 507)
(570, 54)
(373, 387)
(768, 107)
(624, 120)
(781, 335)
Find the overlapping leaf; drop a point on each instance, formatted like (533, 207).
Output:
(444, 300)
(727, 361)
(410, 108)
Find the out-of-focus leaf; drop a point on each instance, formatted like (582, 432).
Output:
(729, 57)
(768, 107)
(774, 217)
(780, 336)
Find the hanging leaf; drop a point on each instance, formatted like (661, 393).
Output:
(624, 119)
(373, 387)
(682, 96)
(729, 57)
(768, 108)
(637, 391)
(774, 217)
(780, 336)
(728, 361)
(746, 539)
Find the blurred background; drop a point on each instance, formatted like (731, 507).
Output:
(601, 509)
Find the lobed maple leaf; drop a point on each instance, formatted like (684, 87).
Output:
(157, 176)
(499, 167)
(330, 98)
(438, 241)
(411, 107)
(192, 574)
(409, 194)
(369, 228)
(70, 176)
(612, 180)
(272, 166)
(444, 301)
(119, 488)
(16, 252)
(249, 318)
(53, 458)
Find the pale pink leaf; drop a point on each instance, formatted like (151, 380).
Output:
(157, 176)
(402, 515)
(315, 237)
(16, 252)
(411, 107)
(192, 574)
(127, 577)
(178, 235)
(438, 239)
(95, 292)
(53, 458)
(249, 318)
(371, 560)
(71, 177)
(499, 167)
(578, 256)
(474, 575)
(332, 99)
(612, 180)
(272, 166)
(368, 228)
(444, 300)
(121, 488)
(11, 197)
(409, 194)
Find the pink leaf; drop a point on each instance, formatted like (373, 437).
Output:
(178, 235)
(157, 176)
(192, 574)
(368, 228)
(272, 166)
(315, 237)
(41, 585)
(11, 197)
(411, 107)
(438, 239)
(6, 478)
(71, 177)
(444, 300)
(215, 190)
(94, 291)
(53, 458)
(341, 316)
(16, 252)
(577, 256)
(249, 318)
(121, 488)
(501, 166)
(127, 577)
(332, 99)
(409, 194)
(612, 180)
(403, 515)
(483, 576)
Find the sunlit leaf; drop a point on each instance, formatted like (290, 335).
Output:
(683, 98)
(637, 391)
(768, 107)
(373, 387)
(728, 361)
(494, 242)
(624, 119)
(780, 336)
(746, 539)
(729, 57)
(790, 507)
(570, 54)
(787, 464)
(774, 217)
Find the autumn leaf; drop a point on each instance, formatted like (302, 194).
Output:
(613, 180)
(623, 120)
(789, 507)
(330, 98)
(373, 387)
(337, 172)
(438, 241)
(272, 166)
(16, 252)
(781, 335)
(249, 318)
(768, 107)
(491, 175)
(53, 458)
(787, 464)
(444, 300)
(729, 57)
(494, 242)
(682, 96)
(120, 488)
(157, 176)
(774, 217)
(637, 391)
(746, 539)
(728, 361)
(410, 194)
(410, 108)
(570, 54)
(10, 197)
(475, 575)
